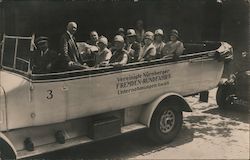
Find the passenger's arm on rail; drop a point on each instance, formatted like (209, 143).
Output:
(151, 54)
(179, 49)
(122, 62)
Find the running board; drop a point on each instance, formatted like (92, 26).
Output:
(72, 142)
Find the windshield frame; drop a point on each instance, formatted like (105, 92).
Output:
(16, 58)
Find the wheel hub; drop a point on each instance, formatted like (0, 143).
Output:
(167, 121)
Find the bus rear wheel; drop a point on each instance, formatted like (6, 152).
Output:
(166, 123)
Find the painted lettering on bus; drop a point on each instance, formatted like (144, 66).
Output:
(142, 81)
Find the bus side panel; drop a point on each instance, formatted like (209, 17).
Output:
(49, 102)
(132, 87)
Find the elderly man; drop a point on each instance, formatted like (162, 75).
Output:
(120, 55)
(133, 47)
(174, 48)
(69, 49)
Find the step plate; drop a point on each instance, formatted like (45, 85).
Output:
(71, 142)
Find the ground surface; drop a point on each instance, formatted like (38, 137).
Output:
(207, 133)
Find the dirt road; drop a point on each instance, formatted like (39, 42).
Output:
(207, 133)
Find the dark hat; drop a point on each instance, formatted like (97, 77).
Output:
(121, 30)
(175, 33)
(41, 40)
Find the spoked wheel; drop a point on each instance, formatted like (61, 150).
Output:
(165, 124)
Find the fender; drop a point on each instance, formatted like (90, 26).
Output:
(3, 109)
(148, 111)
(7, 147)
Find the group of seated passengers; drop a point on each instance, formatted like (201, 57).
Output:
(97, 53)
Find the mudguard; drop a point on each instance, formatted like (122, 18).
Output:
(147, 113)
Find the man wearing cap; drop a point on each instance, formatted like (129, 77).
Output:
(69, 48)
(43, 59)
(148, 51)
(174, 48)
(158, 42)
(104, 54)
(120, 55)
(133, 47)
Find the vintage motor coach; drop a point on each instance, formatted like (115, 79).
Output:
(41, 113)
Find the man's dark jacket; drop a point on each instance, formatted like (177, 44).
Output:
(69, 50)
(40, 62)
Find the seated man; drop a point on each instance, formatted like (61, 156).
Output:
(104, 54)
(43, 60)
(133, 47)
(120, 55)
(174, 48)
(148, 51)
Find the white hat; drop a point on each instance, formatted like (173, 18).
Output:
(159, 32)
(149, 35)
(103, 40)
(119, 38)
(131, 32)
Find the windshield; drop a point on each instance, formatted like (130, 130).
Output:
(15, 53)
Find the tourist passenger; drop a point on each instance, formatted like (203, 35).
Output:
(93, 38)
(44, 59)
(133, 47)
(149, 50)
(68, 48)
(121, 32)
(139, 30)
(158, 42)
(104, 54)
(174, 48)
(120, 55)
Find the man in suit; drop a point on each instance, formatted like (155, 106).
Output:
(133, 47)
(69, 49)
(43, 59)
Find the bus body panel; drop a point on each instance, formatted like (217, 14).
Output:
(53, 102)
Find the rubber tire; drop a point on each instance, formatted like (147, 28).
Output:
(155, 133)
(221, 96)
(5, 151)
